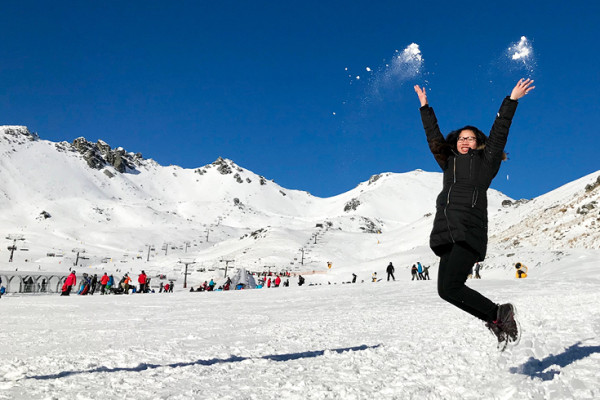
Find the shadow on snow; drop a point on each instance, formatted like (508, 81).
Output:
(232, 359)
(535, 368)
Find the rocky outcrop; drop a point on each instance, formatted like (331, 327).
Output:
(17, 134)
(592, 186)
(586, 208)
(99, 155)
(509, 203)
(352, 205)
(223, 166)
(43, 215)
(374, 178)
(369, 226)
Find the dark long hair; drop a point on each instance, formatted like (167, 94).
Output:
(452, 137)
(443, 150)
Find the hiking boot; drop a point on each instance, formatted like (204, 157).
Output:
(507, 323)
(499, 333)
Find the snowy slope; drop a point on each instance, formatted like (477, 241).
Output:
(567, 217)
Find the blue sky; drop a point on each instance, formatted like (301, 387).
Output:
(184, 82)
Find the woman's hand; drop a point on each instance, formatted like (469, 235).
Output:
(422, 95)
(522, 88)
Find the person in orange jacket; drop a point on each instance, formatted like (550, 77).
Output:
(126, 282)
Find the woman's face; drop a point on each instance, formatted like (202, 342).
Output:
(466, 140)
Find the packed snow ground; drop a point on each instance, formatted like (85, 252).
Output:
(384, 340)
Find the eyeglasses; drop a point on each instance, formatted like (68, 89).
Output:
(469, 139)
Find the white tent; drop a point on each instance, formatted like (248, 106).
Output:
(243, 277)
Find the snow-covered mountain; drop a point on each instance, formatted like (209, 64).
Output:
(118, 207)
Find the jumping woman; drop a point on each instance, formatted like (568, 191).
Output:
(470, 161)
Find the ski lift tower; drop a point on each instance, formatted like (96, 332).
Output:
(12, 248)
(186, 262)
(226, 265)
(150, 247)
(78, 250)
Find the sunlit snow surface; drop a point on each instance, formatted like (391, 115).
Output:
(384, 340)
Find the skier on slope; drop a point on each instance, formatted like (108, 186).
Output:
(470, 161)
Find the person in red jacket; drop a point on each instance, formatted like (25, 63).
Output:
(103, 282)
(142, 279)
(277, 281)
(269, 283)
(69, 283)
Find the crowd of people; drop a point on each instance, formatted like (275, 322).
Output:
(418, 272)
(90, 284)
(106, 284)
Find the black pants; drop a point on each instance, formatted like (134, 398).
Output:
(455, 265)
(392, 275)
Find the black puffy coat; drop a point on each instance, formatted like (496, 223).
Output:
(461, 207)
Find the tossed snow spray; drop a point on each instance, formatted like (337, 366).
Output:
(521, 53)
(376, 81)
(404, 65)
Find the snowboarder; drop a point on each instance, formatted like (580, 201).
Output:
(353, 278)
(390, 271)
(300, 280)
(469, 161)
(477, 268)
(374, 277)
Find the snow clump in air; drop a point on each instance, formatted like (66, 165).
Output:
(521, 50)
(522, 53)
